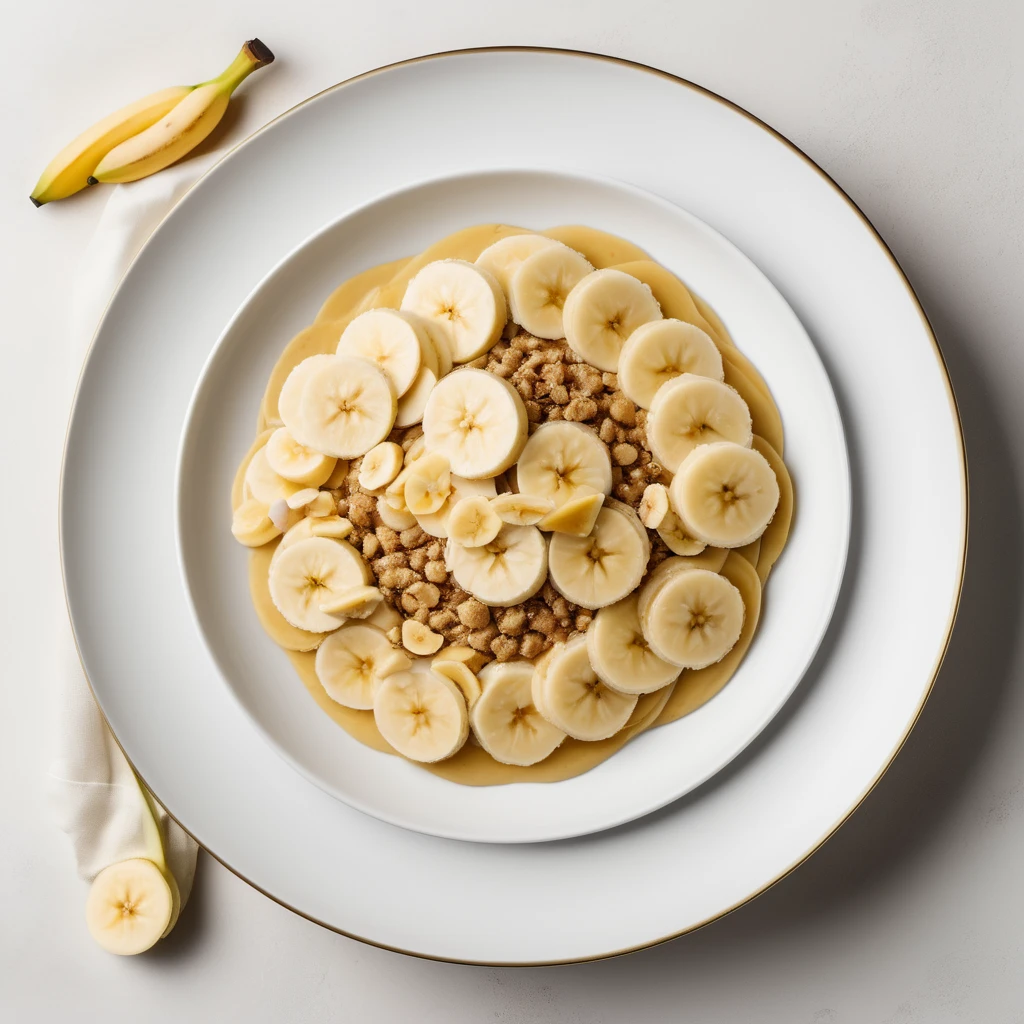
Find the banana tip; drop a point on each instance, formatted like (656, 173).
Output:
(92, 181)
(260, 52)
(36, 202)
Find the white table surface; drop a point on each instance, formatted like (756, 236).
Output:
(913, 912)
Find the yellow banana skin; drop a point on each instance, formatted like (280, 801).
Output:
(68, 172)
(183, 127)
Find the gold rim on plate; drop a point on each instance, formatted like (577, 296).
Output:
(965, 509)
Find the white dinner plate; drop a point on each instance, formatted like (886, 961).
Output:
(667, 872)
(662, 764)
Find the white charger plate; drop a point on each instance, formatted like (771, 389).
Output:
(662, 764)
(697, 858)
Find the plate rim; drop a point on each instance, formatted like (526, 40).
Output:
(604, 181)
(929, 331)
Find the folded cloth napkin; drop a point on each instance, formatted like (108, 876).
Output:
(92, 789)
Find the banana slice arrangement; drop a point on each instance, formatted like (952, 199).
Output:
(404, 410)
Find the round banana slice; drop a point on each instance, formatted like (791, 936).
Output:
(348, 405)
(601, 568)
(505, 719)
(263, 484)
(725, 494)
(391, 340)
(464, 300)
(620, 654)
(504, 257)
(693, 619)
(297, 463)
(380, 465)
(477, 420)
(352, 661)
(689, 411)
(423, 715)
(129, 906)
(562, 460)
(568, 693)
(427, 484)
(540, 286)
(602, 311)
(308, 573)
(473, 522)
(658, 351)
(509, 569)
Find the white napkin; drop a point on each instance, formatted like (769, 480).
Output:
(91, 787)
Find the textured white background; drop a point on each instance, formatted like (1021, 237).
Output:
(913, 912)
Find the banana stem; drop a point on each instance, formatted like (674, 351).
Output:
(253, 55)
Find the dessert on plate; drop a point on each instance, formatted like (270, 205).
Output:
(512, 502)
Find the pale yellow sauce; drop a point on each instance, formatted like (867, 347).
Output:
(746, 568)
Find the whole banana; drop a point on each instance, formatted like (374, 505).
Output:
(148, 135)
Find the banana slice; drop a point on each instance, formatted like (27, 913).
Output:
(289, 402)
(312, 572)
(602, 568)
(420, 639)
(423, 715)
(505, 719)
(464, 300)
(575, 517)
(568, 693)
(441, 344)
(469, 657)
(478, 421)
(654, 506)
(473, 522)
(725, 494)
(347, 406)
(461, 675)
(352, 661)
(263, 484)
(689, 411)
(436, 523)
(338, 477)
(129, 906)
(562, 460)
(521, 509)
(540, 286)
(414, 401)
(251, 524)
(692, 617)
(397, 519)
(297, 463)
(620, 654)
(380, 465)
(503, 258)
(509, 569)
(391, 340)
(354, 603)
(676, 539)
(658, 351)
(602, 311)
(428, 484)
